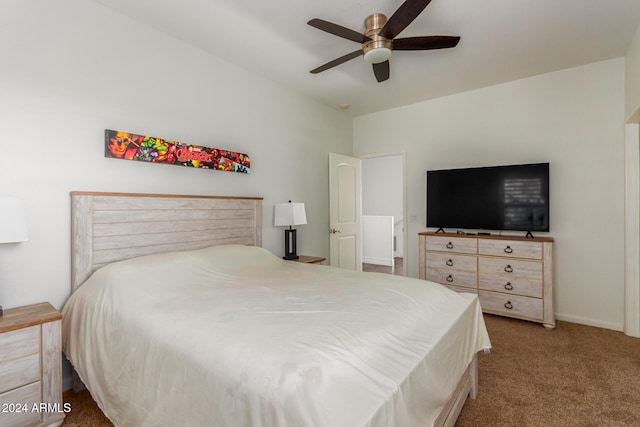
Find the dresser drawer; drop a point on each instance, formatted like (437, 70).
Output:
(16, 406)
(18, 372)
(466, 279)
(452, 244)
(20, 342)
(452, 261)
(508, 268)
(511, 285)
(510, 248)
(511, 305)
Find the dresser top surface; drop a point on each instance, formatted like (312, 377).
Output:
(489, 236)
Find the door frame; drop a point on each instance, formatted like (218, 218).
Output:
(405, 220)
(632, 230)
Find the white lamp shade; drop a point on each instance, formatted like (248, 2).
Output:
(13, 226)
(290, 214)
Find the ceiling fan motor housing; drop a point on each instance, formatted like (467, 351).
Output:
(378, 49)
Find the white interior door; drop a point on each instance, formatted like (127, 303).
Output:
(345, 211)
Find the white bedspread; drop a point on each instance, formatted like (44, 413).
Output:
(234, 336)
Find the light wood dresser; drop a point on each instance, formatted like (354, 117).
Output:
(31, 367)
(512, 275)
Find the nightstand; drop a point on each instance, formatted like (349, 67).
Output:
(310, 259)
(31, 367)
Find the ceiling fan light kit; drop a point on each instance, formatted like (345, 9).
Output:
(378, 41)
(377, 55)
(378, 49)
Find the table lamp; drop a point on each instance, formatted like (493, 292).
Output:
(290, 214)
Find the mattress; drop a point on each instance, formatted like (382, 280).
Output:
(235, 336)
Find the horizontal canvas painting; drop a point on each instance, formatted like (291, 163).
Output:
(129, 146)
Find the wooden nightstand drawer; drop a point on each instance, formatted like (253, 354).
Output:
(16, 406)
(30, 366)
(19, 343)
(510, 248)
(18, 372)
(452, 244)
(511, 305)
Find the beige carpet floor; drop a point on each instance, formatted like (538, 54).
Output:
(574, 375)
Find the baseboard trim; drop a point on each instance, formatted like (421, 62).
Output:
(590, 322)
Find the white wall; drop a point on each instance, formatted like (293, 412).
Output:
(71, 68)
(574, 120)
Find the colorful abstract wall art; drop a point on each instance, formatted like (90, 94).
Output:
(129, 146)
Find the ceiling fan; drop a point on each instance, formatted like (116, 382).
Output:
(378, 40)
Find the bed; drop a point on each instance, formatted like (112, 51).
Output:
(179, 317)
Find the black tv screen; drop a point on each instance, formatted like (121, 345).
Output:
(514, 197)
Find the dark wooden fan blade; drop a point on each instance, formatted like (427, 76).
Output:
(338, 30)
(381, 71)
(337, 61)
(426, 43)
(401, 18)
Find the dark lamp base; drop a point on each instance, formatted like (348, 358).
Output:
(290, 245)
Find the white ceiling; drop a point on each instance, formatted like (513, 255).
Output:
(501, 40)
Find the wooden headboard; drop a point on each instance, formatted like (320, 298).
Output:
(108, 227)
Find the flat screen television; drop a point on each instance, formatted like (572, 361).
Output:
(514, 197)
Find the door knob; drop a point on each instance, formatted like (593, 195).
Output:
(333, 231)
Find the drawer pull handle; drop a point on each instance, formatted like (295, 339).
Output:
(508, 305)
(508, 250)
(508, 269)
(508, 286)
(449, 278)
(449, 245)
(449, 262)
